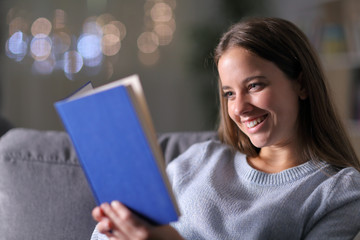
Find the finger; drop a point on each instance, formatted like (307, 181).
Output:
(104, 226)
(97, 214)
(124, 220)
(131, 223)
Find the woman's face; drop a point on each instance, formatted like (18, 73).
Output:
(261, 100)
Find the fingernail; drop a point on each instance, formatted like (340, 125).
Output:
(115, 204)
(105, 206)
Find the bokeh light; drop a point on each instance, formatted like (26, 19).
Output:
(73, 62)
(164, 32)
(105, 18)
(148, 42)
(121, 27)
(59, 19)
(51, 44)
(161, 12)
(160, 25)
(16, 46)
(89, 46)
(40, 47)
(41, 26)
(93, 62)
(111, 29)
(110, 44)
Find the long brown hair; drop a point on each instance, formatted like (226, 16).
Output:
(320, 130)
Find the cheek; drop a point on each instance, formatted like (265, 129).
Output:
(231, 111)
(265, 100)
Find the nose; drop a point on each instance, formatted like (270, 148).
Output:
(241, 105)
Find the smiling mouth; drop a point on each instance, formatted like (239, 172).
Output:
(255, 122)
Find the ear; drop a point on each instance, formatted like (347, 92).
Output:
(300, 89)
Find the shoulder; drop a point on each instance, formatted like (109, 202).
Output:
(345, 184)
(338, 189)
(198, 156)
(336, 199)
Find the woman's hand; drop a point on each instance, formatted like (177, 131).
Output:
(117, 222)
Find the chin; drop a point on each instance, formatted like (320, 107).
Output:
(258, 144)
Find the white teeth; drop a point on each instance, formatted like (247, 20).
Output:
(255, 122)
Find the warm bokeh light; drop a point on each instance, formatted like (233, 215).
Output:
(164, 32)
(110, 44)
(110, 29)
(161, 12)
(59, 19)
(172, 24)
(121, 27)
(159, 24)
(148, 42)
(104, 19)
(41, 26)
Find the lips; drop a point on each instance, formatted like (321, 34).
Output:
(254, 122)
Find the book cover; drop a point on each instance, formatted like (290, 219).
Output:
(112, 132)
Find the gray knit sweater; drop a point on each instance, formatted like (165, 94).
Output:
(222, 197)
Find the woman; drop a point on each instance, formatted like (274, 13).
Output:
(285, 168)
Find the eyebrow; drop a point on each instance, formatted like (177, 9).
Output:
(246, 80)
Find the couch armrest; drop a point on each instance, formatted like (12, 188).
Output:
(43, 191)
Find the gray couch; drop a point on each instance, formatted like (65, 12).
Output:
(43, 192)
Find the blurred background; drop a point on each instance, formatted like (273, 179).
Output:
(49, 48)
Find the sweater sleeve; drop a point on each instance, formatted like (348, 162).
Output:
(96, 235)
(341, 218)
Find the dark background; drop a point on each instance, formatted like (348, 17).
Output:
(180, 88)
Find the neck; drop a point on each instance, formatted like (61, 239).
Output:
(276, 159)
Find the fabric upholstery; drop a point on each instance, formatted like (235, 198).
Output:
(43, 191)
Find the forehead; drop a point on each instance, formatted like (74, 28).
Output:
(238, 57)
(238, 65)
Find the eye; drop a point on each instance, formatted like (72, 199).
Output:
(255, 86)
(228, 94)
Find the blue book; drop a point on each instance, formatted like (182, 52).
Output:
(112, 132)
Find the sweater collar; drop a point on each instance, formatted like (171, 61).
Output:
(289, 175)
